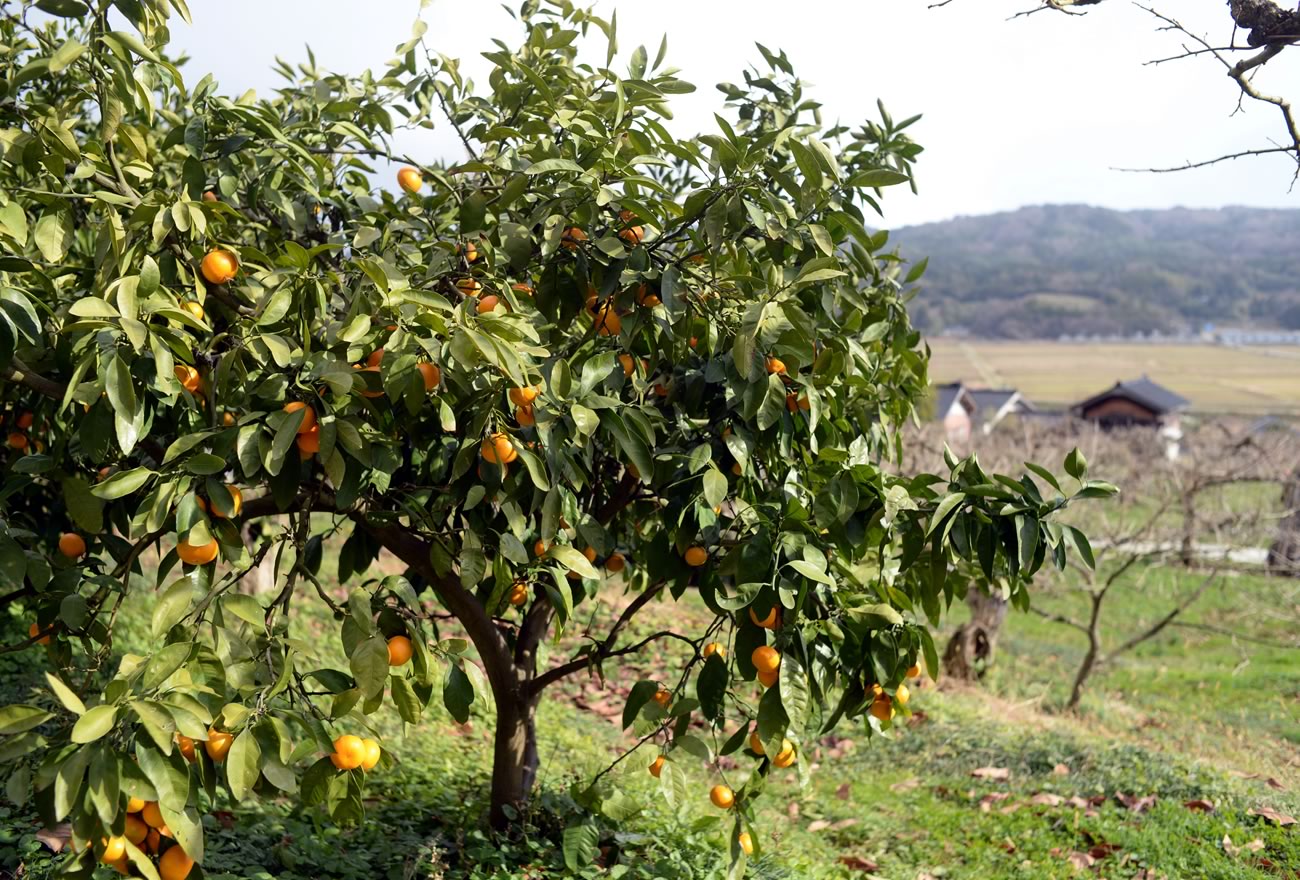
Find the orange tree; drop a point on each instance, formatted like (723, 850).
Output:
(595, 356)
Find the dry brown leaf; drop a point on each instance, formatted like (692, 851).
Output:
(1080, 861)
(1047, 799)
(818, 825)
(55, 838)
(997, 773)
(1273, 783)
(843, 792)
(858, 863)
(1199, 806)
(1103, 850)
(1280, 819)
(1232, 849)
(1060, 770)
(905, 785)
(987, 802)
(792, 809)
(844, 823)
(1135, 804)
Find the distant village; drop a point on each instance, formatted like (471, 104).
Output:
(1209, 334)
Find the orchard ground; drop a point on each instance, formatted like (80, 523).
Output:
(1177, 743)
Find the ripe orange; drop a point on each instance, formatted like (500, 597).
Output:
(775, 365)
(768, 622)
(525, 289)
(795, 402)
(786, 756)
(882, 708)
(134, 805)
(524, 396)
(914, 671)
(17, 441)
(432, 375)
(746, 843)
(608, 322)
(736, 468)
(188, 377)
(487, 304)
(365, 388)
(722, 796)
(153, 840)
(210, 196)
(525, 417)
(539, 549)
(615, 563)
(197, 554)
(663, 697)
(660, 389)
(375, 358)
(219, 266)
(646, 297)
(308, 442)
(590, 553)
(218, 744)
(902, 695)
(72, 545)
(756, 744)
(518, 593)
(34, 630)
(469, 250)
(469, 287)
(629, 365)
(308, 417)
(152, 816)
(766, 659)
(194, 309)
(632, 235)
(573, 236)
(186, 746)
(25, 420)
(349, 752)
(696, 556)
(410, 180)
(228, 419)
(657, 766)
(175, 864)
(768, 679)
(399, 650)
(373, 754)
(114, 849)
(715, 648)
(136, 831)
(498, 449)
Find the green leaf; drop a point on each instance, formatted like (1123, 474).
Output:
(795, 698)
(941, 512)
(546, 166)
(1076, 465)
(409, 706)
(243, 764)
(715, 487)
(711, 687)
(457, 692)
(64, 694)
(122, 483)
(580, 845)
(642, 692)
(169, 775)
(94, 724)
(571, 559)
(171, 606)
(369, 665)
(18, 719)
(878, 177)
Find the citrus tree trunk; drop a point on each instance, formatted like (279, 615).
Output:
(971, 648)
(1284, 553)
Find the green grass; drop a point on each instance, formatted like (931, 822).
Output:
(1171, 720)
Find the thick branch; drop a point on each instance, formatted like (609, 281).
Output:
(19, 372)
(1163, 622)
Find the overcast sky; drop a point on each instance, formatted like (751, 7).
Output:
(1039, 109)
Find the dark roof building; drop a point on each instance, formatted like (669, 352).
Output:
(1137, 402)
(960, 408)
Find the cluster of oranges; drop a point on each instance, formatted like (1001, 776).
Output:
(351, 752)
(18, 440)
(146, 830)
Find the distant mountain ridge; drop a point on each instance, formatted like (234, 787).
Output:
(1052, 270)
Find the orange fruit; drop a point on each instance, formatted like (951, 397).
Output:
(399, 650)
(194, 309)
(632, 235)
(219, 266)
(498, 449)
(432, 375)
(737, 469)
(25, 420)
(175, 864)
(228, 419)
(410, 180)
(34, 630)
(615, 563)
(366, 392)
(795, 402)
(17, 441)
(469, 287)
(487, 304)
(373, 754)
(152, 816)
(539, 549)
(349, 752)
(573, 236)
(469, 250)
(197, 554)
(525, 417)
(153, 840)
(308, 442)
(768, 622)
(518, 594)
(590, 553)
(186, 746)
(376, 358)
(218, 744)
(722, 797)
(188, 377)
(768, 679)
(663, 697)
(660, 389)
(114, 849)
(525, 289)
(696, 556)
(746, 843)
(236, 502)
(629, 365)
(134, 805)
(308, 417)
(786, 756)
(882, 708)
(524, 396)
(136, 831)
(72, 545)
(766, 659)
(775, 365)
(210, 196)
(608, 323)
(756, 744)
(914, 671)
(715, 648)
(902, 695)
(656, 766)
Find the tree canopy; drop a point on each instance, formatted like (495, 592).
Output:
(593, 357)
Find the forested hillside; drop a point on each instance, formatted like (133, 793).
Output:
(1043, 271)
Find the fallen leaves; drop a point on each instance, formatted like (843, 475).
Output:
(858, 863)
(1280, 819)
(1233, 850)
(1135, 804)
(1060, 770)
(1199, 806)
(905, 785)
(997, 773)
(55, 838)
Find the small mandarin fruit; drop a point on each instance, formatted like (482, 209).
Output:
(186, 746)
(488, 303)
(715, 648)
(756, 744)
(188, 377)
(72, 545)
(375, 358)
(24, 421)
(632, 235)
(175, 864)
(615, 563)
(34, 630)
(308, 416)
(373, 754)
(663, 697)
(768, 679)
(228, 419)
(194, 309)
(608, 322)
(308, 442)
(218, 745)
(431, 374)
(776, 365)
(410, 180)
(114, 849)
(573, 236)
(134, 805)
(136, 831)
(629, 365)
(122, 866)
(722, 797)
(590, 554)
(657, 766)
(902, 695)
(197, 554)
(524, 396)
(219, 266)
(349, 752)
(518, 594)
(17, 441)
(768, 622)
(498, 449)
(786, 756)
(153, 841)
(539, 549)
(746, 843)
(151, 815)
(469, 251)
(914, 671)
(210, 196)
(766, 659)
(525, 416)
(524, 289)
(696, 556)
(882, 709)
(399, 651)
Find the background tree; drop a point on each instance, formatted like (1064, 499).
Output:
(594, 356)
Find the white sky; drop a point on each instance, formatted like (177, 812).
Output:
(1029, 111)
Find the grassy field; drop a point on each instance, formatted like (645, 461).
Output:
(1191, 717)
(1214, 378)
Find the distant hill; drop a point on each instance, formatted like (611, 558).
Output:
(1041, 272)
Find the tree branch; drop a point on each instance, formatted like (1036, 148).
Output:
(1163, 622)
(21, 374)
